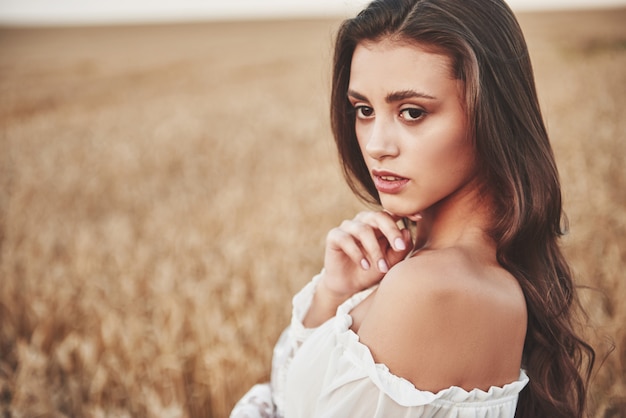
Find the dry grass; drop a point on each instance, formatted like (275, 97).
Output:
(164, 191)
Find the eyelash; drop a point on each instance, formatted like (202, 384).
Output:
(361, 111)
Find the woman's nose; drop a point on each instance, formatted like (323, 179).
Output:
(382, 141)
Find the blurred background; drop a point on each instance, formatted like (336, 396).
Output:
(168, 176)
(116, 11)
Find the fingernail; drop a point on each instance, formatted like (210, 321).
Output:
(365, 264)
(382, 266)
(399, 244)
(416, 217)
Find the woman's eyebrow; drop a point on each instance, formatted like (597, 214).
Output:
(395, 96)
(407, 94)
(356, 95)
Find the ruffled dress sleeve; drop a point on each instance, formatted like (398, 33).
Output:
(266, 400)
(290, 341)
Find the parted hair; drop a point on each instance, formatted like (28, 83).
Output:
(516, 167)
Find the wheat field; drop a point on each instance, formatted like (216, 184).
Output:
(166, 189)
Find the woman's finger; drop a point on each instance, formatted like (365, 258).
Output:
(340, 240)
(367, 237)
(387, 224)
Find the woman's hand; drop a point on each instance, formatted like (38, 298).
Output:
(358, 255)
(360, 252)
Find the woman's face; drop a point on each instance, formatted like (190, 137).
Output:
(411, 126)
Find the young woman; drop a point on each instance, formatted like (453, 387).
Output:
(454, 299)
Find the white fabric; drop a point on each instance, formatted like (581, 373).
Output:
(327, 372)
(256, 403)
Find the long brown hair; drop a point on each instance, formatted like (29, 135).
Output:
(489, 53)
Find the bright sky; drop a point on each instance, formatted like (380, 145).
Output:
(111, 11)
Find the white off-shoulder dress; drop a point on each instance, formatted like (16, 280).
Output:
(327, 372)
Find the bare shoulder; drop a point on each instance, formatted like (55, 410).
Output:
(443, 319)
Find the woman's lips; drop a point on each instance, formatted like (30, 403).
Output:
(389, 183)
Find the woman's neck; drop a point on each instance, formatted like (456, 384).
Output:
(462, 219)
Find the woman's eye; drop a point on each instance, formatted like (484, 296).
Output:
(364, 112)
(412, 114)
